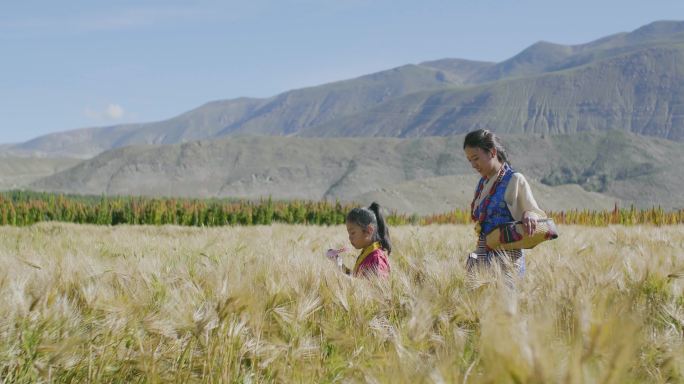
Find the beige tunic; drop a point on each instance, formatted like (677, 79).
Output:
(518, 197)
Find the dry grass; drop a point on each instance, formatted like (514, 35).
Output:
(262, 304)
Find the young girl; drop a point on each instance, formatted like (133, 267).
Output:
(368, 232)
(501, 196)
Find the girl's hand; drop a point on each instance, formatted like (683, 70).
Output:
(529, 222)
(334, 254)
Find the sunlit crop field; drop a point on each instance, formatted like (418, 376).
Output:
(262, 304)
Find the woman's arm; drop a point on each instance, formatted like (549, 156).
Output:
(521, 202)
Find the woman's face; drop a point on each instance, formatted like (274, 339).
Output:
(360, 237)
(484, 162)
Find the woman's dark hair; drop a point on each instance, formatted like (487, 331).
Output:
(371, 215)
(483, 138)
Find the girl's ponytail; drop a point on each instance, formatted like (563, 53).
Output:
(382, 232)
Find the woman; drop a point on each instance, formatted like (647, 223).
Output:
(502, 195)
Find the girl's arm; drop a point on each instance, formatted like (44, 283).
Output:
(344, 269)
(334, 255)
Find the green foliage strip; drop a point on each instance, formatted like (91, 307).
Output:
(20, 208)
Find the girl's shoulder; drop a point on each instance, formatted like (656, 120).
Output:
(378, 255)
(376, 262)
(381, 252)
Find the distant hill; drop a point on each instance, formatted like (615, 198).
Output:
(17, 172)
(444, 193)
(421, 175)
(627, 81)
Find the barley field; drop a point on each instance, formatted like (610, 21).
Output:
(262, 304)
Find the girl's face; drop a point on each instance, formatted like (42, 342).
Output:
(484, 162)
(360, 237)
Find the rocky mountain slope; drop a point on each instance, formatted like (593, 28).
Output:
(628, 81)
(423, 175)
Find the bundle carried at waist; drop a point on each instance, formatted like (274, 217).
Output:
(512, 235)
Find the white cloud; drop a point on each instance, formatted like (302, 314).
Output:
(111, 112)
(114, 111)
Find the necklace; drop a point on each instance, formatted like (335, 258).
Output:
(485, 203)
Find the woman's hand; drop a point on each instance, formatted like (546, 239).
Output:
(529, 222)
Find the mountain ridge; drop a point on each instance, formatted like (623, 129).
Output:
(572, 171)
(314, 111)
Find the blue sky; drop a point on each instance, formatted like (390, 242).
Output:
(74, 64)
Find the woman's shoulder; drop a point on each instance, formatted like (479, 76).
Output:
(517, 183)
(518, 177)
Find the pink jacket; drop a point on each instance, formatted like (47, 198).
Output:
(375, 263)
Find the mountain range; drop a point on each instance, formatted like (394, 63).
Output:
(418, 175)
(627, 81)
(603, 119)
